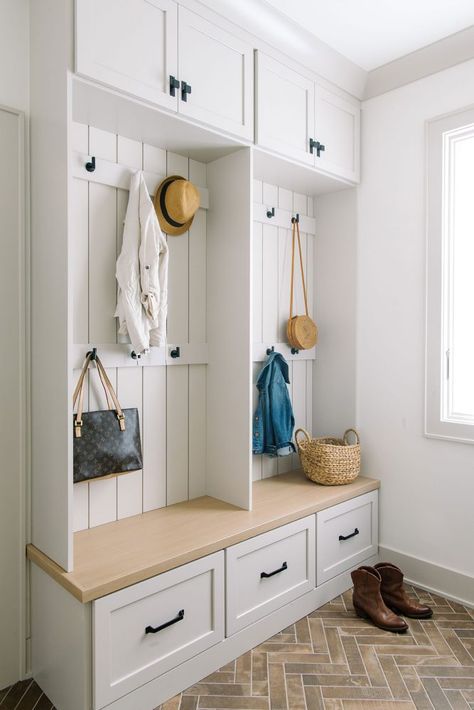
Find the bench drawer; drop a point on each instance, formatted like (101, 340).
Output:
(268, 571)
(145, 630)
(347, 534)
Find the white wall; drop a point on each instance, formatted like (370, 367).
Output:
(14, 58)
(334, 391)
(427, 489)
(14, 53)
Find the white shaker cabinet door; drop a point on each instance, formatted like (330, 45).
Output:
(285, 109)
(130, 45)
(216, 73)
(337, 128)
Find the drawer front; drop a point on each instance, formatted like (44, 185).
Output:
(346, 535)
(268, 571)
(149, 628)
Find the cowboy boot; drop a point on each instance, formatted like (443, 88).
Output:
(395, 596)
(368, 602)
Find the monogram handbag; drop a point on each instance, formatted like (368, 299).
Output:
(301, 331)
(106, 443)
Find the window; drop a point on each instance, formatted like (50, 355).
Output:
(450, 278)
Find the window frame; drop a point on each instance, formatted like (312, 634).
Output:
(437, 267)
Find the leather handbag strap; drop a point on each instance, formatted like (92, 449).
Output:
(295, 233)
(111, 397)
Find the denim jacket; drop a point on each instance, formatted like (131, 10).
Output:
(273, 421)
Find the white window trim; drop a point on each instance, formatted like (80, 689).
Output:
(436, 362)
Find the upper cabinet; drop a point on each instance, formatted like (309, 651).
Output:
(285, 109)
(337, 128)
(178, 60)
(130, 45)
(306, 121)
(216, 73)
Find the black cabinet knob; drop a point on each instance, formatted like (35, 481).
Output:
(185, 90)
(174, 84)
(316, 144)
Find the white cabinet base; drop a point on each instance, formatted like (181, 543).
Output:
(55, 602)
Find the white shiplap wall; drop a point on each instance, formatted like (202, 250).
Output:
(271, 299)
(171, 400)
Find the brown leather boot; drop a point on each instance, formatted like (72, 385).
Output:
(395, 596)
(368, 602)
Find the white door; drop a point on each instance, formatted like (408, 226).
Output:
(337, 128)
(216, 73)
(130, 45)
(285, 109)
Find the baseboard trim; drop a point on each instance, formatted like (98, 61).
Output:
(448, 583)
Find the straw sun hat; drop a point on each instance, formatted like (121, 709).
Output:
(176, 202)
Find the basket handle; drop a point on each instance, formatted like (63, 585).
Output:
(354, 432)
(302, 431)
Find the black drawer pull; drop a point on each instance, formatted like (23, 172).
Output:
(155, 629)
(346, 537)
(265, 575)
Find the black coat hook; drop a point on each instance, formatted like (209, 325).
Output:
(134, 355)
(296, 218)
(175, 353)
(271, 350)
(93, 354)
(90, 167)
(271, 213)
(295, 351)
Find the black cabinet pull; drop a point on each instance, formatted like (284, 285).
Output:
(155, 629)
(174, 84)
(320, 148)
(346, 537)
(185, 90)
(265, 575)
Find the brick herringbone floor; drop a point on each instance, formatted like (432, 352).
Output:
(333, 660)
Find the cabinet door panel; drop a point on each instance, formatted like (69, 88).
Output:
(130, 45)
(285, 109)
(219, 68)
(337, 127)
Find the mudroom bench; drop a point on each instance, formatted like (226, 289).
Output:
(160, 600)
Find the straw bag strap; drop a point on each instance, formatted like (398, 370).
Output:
(295, 232)
(111, 397)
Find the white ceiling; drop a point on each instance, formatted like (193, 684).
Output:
(374, 32)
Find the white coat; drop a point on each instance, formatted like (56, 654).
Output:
(142, 272)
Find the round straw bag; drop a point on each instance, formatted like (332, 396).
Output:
(301, 331)
(331, 462)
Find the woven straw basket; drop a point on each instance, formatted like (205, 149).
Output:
(331, 462)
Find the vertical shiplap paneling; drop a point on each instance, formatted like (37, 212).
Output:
(272, 270)
(299, 399)
(177, 434)
(154, 428)
(177, 466)
(171, 401)
(102, 257)
(102, 302)
(130, 485)
(270, 284)
(129, 153)
(197, 430)
(102, 492)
